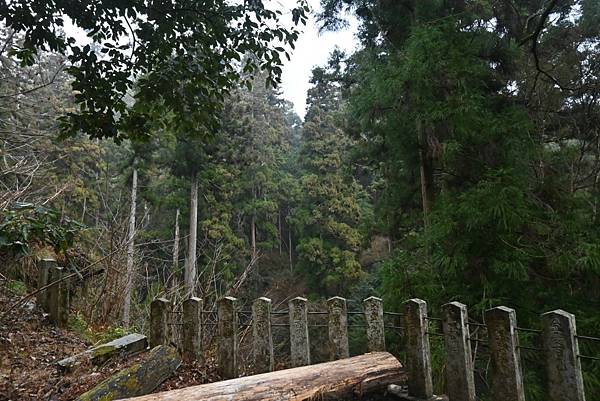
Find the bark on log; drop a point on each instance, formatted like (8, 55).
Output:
(139, 379)
(351, 377)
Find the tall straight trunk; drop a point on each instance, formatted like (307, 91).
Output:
(174, 272)
(253, 233)
(290, 248)
(190, 268)
(426, 169)
(130, 251)
(280, 232)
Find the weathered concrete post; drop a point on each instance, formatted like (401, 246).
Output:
(44, 267)
(507, 376)
(299, 343)
(459, 365)
(373, 307)
(192, 329)
(58, 297)
(338, 328)
(263, 338)
(227, 337)
(563, 367)
(418, 355)
(159, 311)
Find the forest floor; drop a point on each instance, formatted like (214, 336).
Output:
(30, 347)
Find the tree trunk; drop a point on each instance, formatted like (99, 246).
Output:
(280, 232)
(130, 251)
(350, 377)
(139, 379)
(190, 268)
(175, 268)
(426, 167)
(290, 247)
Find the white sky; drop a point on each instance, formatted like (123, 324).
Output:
(312, 49)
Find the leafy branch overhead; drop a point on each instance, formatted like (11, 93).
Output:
(167, 58)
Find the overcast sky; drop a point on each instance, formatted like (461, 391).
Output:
(311, 50)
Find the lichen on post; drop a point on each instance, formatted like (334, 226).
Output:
(159, 310)
(227, 338)
(418, 355)
(507, 377)
(373, 308)
(459, 363)
(192, 329)
(563, 367)
(338, 328)
(262, 336)
(299, 342)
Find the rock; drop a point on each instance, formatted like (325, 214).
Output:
(126, 345)
(139, 379)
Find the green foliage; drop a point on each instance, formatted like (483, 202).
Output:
(27, 224)
(179, 58)
(94, 335)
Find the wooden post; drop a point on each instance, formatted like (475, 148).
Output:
(159, 311)
(263, 338)
(58, 297)
(507, 377)
(373, 307)
(299, 343)
(418, 355)
(338, 328)
(459, 365)
(563, 367)
(44, 267)
(227, 337)
(192, 329)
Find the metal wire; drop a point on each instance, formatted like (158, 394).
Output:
(528, 330)
(593, 358)
(529, 348)
(587, 338)
(393, 313)
(437, 319)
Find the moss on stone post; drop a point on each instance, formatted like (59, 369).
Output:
(227, 338)
(159, 311)
(299, 343)
(459, 363)
(373, 308)
(418, 355)
(563, 367)
(338, 328)
(262, 336)
(507, 377)
(192, 329)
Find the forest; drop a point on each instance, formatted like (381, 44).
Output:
(454, 156)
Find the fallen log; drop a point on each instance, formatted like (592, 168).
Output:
(351, 377)
(139, 379)
(127, 345)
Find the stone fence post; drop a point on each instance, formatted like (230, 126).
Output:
(192, 329)
(373, 308)
(563, 367)
(418, 355)
(507, 377)
(459, 363)
(227, 337)
(159, 311)
(58, 296)
(299, 343)
(44, 267)
(338, 328)
(263, 338)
